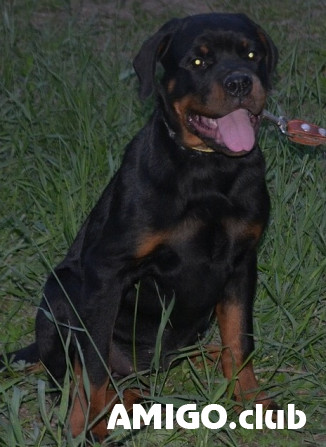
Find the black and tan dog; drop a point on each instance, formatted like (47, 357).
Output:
(182, 218)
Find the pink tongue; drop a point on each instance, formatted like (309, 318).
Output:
(236, 131)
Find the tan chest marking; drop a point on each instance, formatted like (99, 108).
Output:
(182, 232)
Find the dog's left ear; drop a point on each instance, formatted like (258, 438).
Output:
(150, 53)
(271, 50)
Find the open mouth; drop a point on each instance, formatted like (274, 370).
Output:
(235, 131)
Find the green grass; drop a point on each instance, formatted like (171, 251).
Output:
(68, 107)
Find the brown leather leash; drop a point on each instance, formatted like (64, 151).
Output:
(297, 130)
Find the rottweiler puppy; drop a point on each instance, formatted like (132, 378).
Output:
(178, 226)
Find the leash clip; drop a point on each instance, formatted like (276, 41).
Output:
(297, 130)
(280, 121)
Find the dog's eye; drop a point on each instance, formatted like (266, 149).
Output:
(198, 62)
(252, 55)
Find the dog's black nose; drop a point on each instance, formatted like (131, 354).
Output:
(238, 84)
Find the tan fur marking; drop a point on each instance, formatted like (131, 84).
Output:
(180, 233)
(246, 388)
(255, 231)
(229, 319)
(77, 420)
(212, 354)
(79, 410)
(204, 49)
(130, 396)
(97, 406)
(150, 242)
(171, 85)
(239, 229)
(217, 102)
(35, 369)
(188, 103)
(257, 97)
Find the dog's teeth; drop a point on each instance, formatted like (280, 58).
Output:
(211, 122)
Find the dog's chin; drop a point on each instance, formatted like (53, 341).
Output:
(234, 134)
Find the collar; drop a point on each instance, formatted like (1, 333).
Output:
(202, 149)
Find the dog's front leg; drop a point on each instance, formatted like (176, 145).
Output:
(234, 315)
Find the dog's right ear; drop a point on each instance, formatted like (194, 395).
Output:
(150, 53)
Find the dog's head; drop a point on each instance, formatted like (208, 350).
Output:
(217, 71)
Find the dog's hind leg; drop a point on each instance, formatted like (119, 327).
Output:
(57, 322)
